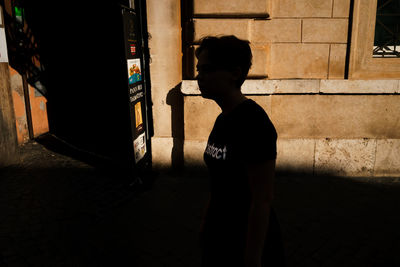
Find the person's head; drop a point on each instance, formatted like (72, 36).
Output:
(223, 61)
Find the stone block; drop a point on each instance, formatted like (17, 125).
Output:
(264, 87)
(161, 113)
(341, 8)
(298, 61)
(337, 61)
(162, 151)
(359, 86)
(296, 86)
(325, 30)
(237, 27)
(199, 117)
(260, 61)
(257, 87)
(190, 87)
(230, 7)
(264, 101)
(193, 153)
(249, 87)
(164, 25)
(387, 161)
(276, 31)
(301, 8)
(295, 155)
(336, 116)
(345, 157)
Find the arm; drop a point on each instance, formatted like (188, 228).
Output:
(261, 181)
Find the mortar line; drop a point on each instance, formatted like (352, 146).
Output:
(301, 32)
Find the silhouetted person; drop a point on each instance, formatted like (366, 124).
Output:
(239, 228)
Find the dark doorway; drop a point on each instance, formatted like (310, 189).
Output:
(81, 47)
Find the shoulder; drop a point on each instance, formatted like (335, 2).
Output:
(252, 109)
(256, 117)
(255, 133)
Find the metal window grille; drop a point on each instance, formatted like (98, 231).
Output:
(387, 29)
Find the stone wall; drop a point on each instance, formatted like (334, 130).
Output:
(163, 19)
(301, 39)
(319, 130)
(326, 124)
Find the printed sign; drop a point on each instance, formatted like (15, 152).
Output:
(133, 49)
(134, 71)
(139, 147)
(138, 116)
(130, 28)
(135, 93)
(3, 46)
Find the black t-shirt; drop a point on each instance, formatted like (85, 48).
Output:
(243, 136)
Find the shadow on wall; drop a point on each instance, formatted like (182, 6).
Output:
(197, 163)
(175, 100)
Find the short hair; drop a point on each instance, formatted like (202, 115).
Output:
(228, 52)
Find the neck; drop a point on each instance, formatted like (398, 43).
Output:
(228, 102)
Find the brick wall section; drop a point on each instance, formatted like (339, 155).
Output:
(303, 38)
(38, 109)
(8, 134)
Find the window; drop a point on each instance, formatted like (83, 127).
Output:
(387, 29)
(367, 37)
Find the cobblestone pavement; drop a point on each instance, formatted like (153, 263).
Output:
(58, 211)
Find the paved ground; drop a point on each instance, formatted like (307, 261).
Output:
(58, 211)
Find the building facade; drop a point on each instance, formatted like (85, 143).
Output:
(327, 72)
(328, 82)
